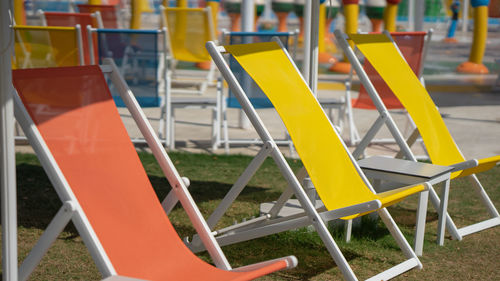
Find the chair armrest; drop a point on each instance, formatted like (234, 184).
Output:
(291, 262)
(361, 208)
(465, 165)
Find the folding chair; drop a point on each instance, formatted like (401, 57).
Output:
(387, 60)
(109, 14)
(47, 46)
(75, 129)
(140, 56)
(72, 19)
(345, 193)
(188, 30)
(255, 94)
(413, 46)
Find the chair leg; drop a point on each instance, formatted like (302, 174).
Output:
(450, 225)
(398, 235)
(484, 196)
(443, 210)
(420, 224)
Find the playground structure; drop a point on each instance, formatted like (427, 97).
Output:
(381, 14)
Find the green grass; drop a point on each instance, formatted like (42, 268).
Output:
(372, 249)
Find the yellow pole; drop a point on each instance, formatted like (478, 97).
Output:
(135, 19)
(351, 13)
(182, 3)
(321, 28)
(475, 64)
(480, 34)
(19, 13)
(95, 2)
(390, 13)
(214, 9)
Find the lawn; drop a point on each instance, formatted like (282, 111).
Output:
(477, 257)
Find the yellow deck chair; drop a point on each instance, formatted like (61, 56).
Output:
(341, 185)
(188, 29)
(385, 57)
(44, 46)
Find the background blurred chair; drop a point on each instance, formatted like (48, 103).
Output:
(141, 60)
(47, 46)
(72, 19)
(110, 14)
(188, 31)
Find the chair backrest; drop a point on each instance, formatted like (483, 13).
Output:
(72, 19)
(137, 55)
(53, 6)
(46, 46)
(411, 45)
(109, 13)
(387, 61)
(333, 171)
(188, 31)
(253, 92)
(76, 117)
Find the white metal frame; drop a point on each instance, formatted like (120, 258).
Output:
(354, 136)
(405, 151)
(200, 78)
(72, 211)
(269, 223)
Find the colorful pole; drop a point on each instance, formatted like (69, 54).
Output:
(475, 64)
(375, 12)
(135, 18)
(390, 13)
(259, 10)
(450, 36)
(180, 3)
(351, 13)
(326, 47)
(282, 8)
(19, 12)
(233, 9)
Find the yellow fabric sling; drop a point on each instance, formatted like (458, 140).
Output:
(188, 30)
(385, 58)
(323, 154)
(43, 46)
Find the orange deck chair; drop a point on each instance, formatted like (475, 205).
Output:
(72, 123)
(413, 47)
